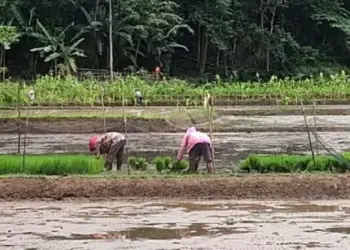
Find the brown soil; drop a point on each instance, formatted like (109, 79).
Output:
(84, 125)
(135, 125)
(248, 187)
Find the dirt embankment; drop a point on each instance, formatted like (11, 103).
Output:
(84, 125)
(248, 187)
(135, 125)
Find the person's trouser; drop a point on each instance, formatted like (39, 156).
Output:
(139, 100)
(195, 154)
(116, 151)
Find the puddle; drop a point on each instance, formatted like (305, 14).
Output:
(176, 225)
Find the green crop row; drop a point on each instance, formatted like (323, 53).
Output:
(50, 165)
(69, 91)
(294, 163)
(75, 164)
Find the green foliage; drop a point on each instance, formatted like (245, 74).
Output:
(179, 166)
(167, 164)
(8, 36)
(138, 163)
(233, 38)
(292, 163)
(69, 91)
(50, 165)
(162, 163)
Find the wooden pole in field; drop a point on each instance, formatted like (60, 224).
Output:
(209, 103)
(308, 132)
(125, 129)
(315, 127)
(19, 118)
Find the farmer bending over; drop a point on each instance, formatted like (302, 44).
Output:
(112, 144)
(198, 144)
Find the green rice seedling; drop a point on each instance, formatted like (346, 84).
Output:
(179, 166)
(50, 165)
(162, 163)
(291, 163)
(138, 163)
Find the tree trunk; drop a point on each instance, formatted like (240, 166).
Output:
(269, 43)
(218, 59)
(233, 57)
(204, 52)
(199, 44)
(110, 41)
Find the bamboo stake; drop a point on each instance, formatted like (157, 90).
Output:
(315, 127)
(103, 109)
(211, 128)
(308, 132)
(125, 131)
(25, 139)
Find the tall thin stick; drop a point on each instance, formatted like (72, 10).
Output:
(315, 127)
(308, 132)
(103, 109)
(125, 130)
(211, 128)
(19, 118)
(25, 139)
(209, 105)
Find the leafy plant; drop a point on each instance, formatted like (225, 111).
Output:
(55, 48)
(162, 163)
(138, 163)
(292, 163)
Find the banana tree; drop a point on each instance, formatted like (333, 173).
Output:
(162, 26)
(26, 27)
(125, 25)
(8, 36)
(55, 49)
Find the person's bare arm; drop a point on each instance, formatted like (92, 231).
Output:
(182, 148)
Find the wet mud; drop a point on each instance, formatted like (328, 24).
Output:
(198, 187)
(173, 224)
(224, 123)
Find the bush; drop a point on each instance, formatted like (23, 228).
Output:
(50, 165)
(292, 163)
(138, 163)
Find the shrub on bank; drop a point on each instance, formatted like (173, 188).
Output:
(292, 163)
(50, 165)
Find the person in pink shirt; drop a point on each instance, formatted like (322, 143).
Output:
(197, 144)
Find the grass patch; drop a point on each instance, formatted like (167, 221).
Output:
(50, 165)
(293, 163)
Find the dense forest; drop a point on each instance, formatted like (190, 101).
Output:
(233, 38)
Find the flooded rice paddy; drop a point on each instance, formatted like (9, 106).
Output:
(175, 225)
(229, 147)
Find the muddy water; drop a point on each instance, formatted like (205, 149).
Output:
(229, 147)
(173, 225)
